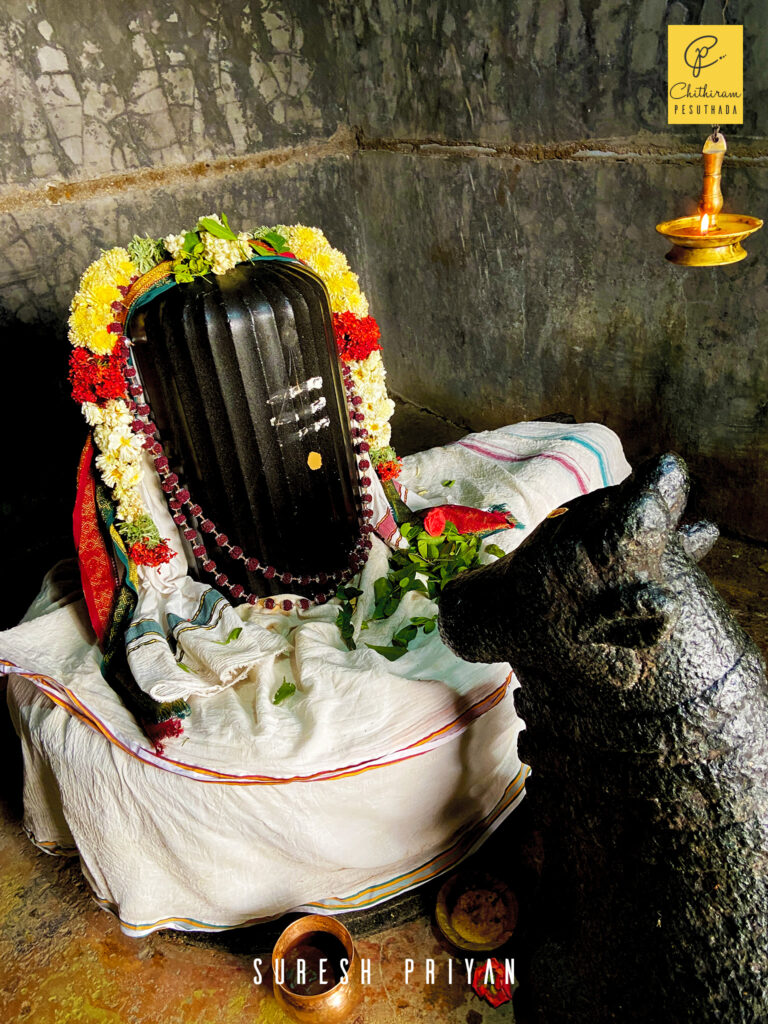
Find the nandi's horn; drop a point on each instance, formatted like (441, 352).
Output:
(668, 477)
(651, 504)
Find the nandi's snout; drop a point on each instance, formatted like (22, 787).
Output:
(474, 623)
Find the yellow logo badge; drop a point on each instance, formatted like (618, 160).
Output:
(705, 75)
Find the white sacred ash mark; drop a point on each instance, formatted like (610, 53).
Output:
(307, 414)
(312, 384)
(294, 415)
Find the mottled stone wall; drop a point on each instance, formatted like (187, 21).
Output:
(495, 169)
(547, 291)
(92, 89)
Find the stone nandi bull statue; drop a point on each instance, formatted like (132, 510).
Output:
(646, 709)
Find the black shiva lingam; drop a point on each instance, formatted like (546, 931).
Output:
(242, 376)
(646, 711)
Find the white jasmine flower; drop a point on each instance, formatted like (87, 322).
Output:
(174, 244)
(93, 413)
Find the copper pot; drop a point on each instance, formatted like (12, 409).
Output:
(333, 1004)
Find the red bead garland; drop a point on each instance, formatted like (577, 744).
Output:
(178, 497)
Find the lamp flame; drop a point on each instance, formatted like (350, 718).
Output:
(704, 227)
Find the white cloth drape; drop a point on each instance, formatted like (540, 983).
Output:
(371, 778)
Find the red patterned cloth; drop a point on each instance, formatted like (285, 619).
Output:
(98, 570)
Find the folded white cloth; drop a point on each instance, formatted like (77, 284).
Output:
(529, 468)
(214, 647)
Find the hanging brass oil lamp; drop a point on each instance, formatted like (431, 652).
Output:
(710, 238)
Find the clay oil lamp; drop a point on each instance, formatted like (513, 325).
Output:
(476, 912)
(711, 238)
(309, 963)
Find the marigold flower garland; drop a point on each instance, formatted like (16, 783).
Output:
(104, 383)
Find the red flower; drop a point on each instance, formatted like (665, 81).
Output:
(119, 353)
(499, 990)
(142, 555)
(94, 379)
(466, 520)
(389, 470)
(356, 337)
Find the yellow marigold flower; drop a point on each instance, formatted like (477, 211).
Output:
(338, 264)
(305, 242)
(311, 245)
(103, 295)
(119, 264)
(328, 264)
(321, 263)
(101, 341)
(358, 304)
(81, 324)
(346, 295)
(103, 313)
(98, 291)
(98, 273)
(90, 276)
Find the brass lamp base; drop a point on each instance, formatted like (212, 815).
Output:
(719, 245)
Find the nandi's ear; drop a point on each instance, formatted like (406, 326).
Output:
(633, 617)
(645, 520)
(698, 538)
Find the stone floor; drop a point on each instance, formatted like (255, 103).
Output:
(65, 961)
